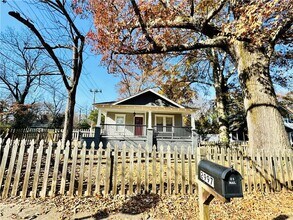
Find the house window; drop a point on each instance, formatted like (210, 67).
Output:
(120, 122)
(164, 123)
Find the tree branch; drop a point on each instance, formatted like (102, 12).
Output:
(27, 23)
(215, 11)
(72, 24)
(53, 47)
(142, 24)
(282, 29)
(216, 42)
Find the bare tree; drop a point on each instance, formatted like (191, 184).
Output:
(20, 74)
(61, 38)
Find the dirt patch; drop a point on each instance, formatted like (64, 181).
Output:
(277, 206)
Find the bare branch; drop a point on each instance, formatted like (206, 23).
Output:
(53, 47)
(27, 23)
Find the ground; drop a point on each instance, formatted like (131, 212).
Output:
(252, 206)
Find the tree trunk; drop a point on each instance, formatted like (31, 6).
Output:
(221, 105)
(266, 128)
(221, 99)
(69, 116)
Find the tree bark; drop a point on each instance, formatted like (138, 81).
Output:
(69, 117)
(266, 128)
(221, 99)
(221, 105)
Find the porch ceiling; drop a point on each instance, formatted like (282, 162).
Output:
(132, 108)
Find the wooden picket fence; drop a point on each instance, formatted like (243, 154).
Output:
(41, 169)
(264, 170)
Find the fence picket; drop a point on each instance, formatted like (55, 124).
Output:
(248, 173)
(169, 170)
(4, 160)
(161, 156)
(28, 169)
(182, 171)
(98, 176)
(176, 170)
(46, 172)
(38, 168)
(115, 168)
(139, 173)
(241, 158)
(55, 170)
(64, 169)
(260, 173)
(154, 158)
(90, 170)
(189, 171)
(286, 158)
(73, 169)
(108, 167)
(10, 169)
(272, 171)
(131, 169)
(18, 168)
(146, 176)
(282, 178)
(81, 171)
(123, 170)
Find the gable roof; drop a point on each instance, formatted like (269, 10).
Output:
(161, 99)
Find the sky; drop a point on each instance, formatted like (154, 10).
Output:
(94, 76)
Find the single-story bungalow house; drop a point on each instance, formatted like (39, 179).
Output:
(147, 118)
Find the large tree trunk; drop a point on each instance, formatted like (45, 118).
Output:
(265, 125)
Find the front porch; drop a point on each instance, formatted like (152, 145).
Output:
(161, 132)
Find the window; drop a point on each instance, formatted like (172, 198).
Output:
(164, 123)
(120, 122)
(169, 124)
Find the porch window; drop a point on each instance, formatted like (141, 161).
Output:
(120, 122)
(169, 124)
(164, 123)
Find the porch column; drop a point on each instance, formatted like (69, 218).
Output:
(150, 120)
(99, 118)
(192, 121)
(150, 132)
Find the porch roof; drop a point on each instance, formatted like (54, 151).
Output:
(143, 108)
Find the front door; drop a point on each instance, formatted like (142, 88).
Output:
(138, 126)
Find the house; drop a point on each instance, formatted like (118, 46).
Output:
(147, 118)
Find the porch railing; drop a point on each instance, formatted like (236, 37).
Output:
(171, 132)
(123, 130)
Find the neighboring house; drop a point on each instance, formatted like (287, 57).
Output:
(288, 122)
(147, 118)
(240, 134)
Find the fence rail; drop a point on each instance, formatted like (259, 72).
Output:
(41, 170)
